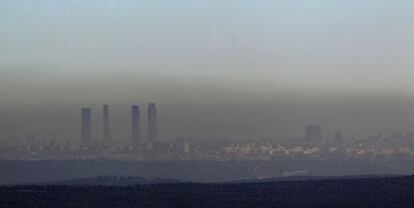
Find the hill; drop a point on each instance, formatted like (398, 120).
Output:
(111, 181)
(360, 192)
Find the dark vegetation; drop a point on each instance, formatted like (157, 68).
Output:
(361, 192)
(24, 172)
(110, 181)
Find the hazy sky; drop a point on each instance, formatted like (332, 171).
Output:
(218, 68)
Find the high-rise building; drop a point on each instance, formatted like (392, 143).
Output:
(338, 136)
(136, 124)
(106, 125)
(86, 115)
(152, 123)
(339, 141)
(313, 133)
(396, 135)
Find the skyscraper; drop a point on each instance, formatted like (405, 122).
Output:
(86, 125)
(338, 136)
(135, 124)
(152, 122)
(339, 141)
(106, 125)
(313, 133)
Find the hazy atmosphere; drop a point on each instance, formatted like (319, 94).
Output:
(216, 69)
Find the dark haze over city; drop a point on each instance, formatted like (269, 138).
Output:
(218, 69)
(120, 93)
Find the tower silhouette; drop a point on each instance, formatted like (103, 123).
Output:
(136, 124)
(106, 125)
(152, 123)
(86, 115)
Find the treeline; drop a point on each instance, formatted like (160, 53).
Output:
(375, 192)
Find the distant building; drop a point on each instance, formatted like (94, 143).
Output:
(152, 123)
(339, 140)
(106, 125)
(396, 135)
(338, 136)
(86, 115)
(136, 124)
(313, 133)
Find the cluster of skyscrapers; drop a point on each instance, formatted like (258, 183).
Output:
(136, 134)
(313, 133)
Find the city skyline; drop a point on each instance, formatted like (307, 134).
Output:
(313, 133)
(87, 135)
(206, 116)
(218, 69)
(200, 103)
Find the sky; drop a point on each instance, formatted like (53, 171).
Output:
(215, 68)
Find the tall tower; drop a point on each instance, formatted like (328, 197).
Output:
(152, 122)
(86, 125)
(313, 133)
(135, 124)
(339, 141)
(106, 128)
(338, 136)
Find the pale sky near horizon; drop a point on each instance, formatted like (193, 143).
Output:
(217, 53)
